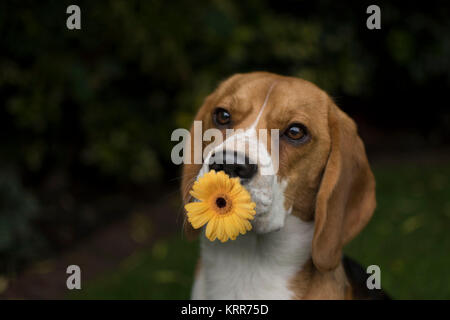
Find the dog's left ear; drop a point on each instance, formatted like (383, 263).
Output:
(346, 198)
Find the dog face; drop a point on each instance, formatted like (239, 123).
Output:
(295, 152)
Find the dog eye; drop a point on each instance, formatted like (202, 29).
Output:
(221, 117)
(296, 133)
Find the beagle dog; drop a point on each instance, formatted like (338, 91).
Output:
(319, 198)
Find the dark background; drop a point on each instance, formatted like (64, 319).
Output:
(86, 117)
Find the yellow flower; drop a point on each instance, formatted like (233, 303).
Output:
(224, 204)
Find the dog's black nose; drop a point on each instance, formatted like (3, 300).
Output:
(233, 165)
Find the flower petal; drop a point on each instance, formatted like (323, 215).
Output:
(211, 228)
(196, 207)
(200, 220)
(220, 224)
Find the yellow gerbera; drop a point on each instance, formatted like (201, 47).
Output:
(224, 204)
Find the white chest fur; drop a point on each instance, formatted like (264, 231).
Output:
(254, 266)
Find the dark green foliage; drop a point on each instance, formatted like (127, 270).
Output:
(108, 96)
(18, 239)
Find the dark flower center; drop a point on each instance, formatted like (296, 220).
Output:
(221, 202)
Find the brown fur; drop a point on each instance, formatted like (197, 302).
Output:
(329, 177)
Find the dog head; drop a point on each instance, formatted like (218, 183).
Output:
(296, 153)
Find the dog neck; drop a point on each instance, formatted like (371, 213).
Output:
(255, 266)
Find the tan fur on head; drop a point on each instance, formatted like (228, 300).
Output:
(328, 179)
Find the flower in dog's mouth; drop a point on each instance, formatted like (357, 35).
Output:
(224, 204)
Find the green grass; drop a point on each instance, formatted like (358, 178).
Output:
(162, 272)
(407, 238)
(408, 235)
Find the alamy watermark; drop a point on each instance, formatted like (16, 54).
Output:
(74, 20)
(252, 144)
(374, 20)
(74, 280)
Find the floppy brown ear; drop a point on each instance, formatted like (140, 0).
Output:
(189, 174)
(190, 170)
(346, 197)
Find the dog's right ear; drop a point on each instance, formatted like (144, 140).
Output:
(189, 174)
(190, 170)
